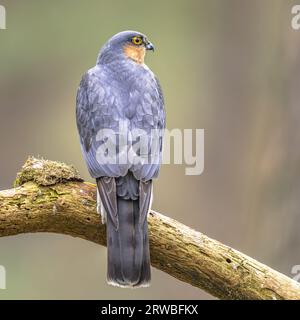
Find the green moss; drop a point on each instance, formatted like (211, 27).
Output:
(46, 172)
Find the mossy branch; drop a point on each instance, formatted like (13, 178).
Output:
(51, 197)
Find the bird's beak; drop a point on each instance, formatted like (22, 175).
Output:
(149, 46)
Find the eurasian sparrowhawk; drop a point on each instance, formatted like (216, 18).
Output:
(120, 112)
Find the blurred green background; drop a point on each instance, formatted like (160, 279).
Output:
(231, 67)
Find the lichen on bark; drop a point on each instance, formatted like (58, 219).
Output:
(52, 197)
(46, 172)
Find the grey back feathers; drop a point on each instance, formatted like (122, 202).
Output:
(120, 93)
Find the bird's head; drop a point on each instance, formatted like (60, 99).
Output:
(127, 44)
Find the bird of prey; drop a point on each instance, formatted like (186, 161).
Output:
(120, 116)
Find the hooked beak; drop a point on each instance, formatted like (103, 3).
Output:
(149, 46)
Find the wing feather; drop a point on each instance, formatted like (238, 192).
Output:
(97, 109)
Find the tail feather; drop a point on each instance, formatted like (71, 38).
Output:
(128, 254)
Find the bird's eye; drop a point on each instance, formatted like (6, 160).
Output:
(137, 41)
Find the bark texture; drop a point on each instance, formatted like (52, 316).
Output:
(51, 197)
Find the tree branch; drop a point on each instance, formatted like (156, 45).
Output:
(51, 197)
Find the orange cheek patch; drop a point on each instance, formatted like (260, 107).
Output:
(137, 54)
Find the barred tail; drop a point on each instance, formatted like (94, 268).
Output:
(128, 255)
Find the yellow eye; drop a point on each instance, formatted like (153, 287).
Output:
(137, 41)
